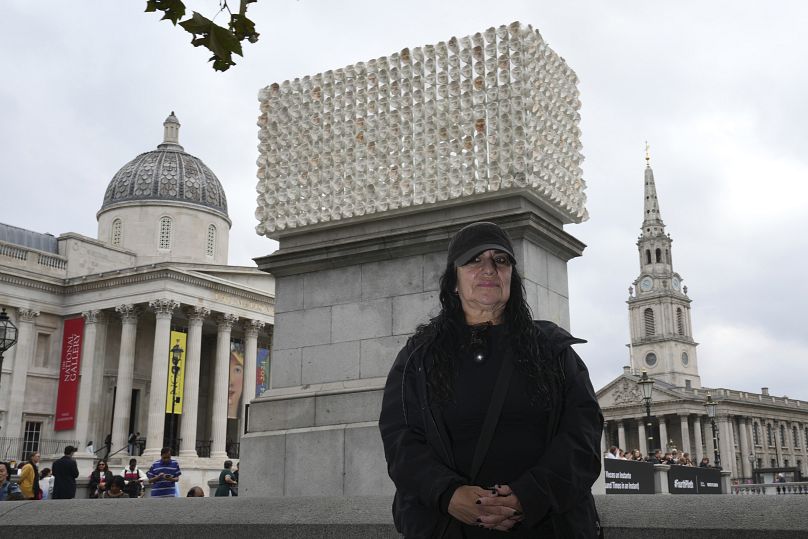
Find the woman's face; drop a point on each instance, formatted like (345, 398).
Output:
(484, 285)
(101, 466)
(236, 385)
(3, 473)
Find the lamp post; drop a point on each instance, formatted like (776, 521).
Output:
(752, 462)
(176, 354)
(711, 406)
(647, 387)
(8, 335)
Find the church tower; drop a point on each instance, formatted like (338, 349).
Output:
(659, 308)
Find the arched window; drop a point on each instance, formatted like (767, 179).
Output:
(211, 246)
(165, 233)
(649, 322)
(658, 255)
(796, 435)
(117, 231)
(647, 256)
(680, 324)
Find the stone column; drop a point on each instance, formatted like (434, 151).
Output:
(744, 443)
(663, 434)
(725, 444)
(220, 387)
(88, 365)
(190, 396)
(685, 428)
(96, 425)
(643, 436)
(699, 449)
(251, 329)
(163, 308)
(126, 369)
(23, 355)
(621, 435)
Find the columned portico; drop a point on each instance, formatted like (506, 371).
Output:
(220, 387)
(23, 354)
(126, 367)
(190, 399)
(163, 309)
(88, 365)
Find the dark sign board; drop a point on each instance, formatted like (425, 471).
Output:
(628, 477)
(689, 480)
(709, 481)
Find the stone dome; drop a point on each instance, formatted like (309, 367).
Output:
(167, 174)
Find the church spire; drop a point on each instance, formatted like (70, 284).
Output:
(652, 224)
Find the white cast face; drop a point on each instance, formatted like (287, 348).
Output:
(484, 286)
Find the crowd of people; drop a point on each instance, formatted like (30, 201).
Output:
(670, 457)
(59, 482)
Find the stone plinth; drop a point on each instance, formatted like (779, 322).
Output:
(348, 297)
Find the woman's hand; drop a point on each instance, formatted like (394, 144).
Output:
(466, 506)
(501, 511)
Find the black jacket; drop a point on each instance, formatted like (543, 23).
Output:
(555, 493)
(65, 472)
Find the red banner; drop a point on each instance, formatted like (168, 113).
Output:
(69, 374)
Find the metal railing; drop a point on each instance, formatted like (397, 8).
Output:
(19, 449)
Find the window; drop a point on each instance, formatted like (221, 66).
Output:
(774, 463)
(782, 435)
(769, 435)
(688, 385)
(785, 463)
(42, 357)
(649, 322)
(685, 359)
(165, 233)
(796, 435)
(211, 248)
(650, 359)
(117, 227)
(680, 323)
(30, 440)
(658, 255)
(755, 433)
(647, 256)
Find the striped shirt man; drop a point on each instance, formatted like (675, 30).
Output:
(164, 474)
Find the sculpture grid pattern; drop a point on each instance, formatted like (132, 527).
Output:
(495, 111)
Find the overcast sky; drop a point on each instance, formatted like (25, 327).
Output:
(717, 88)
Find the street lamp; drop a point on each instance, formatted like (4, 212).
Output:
(8, 335)
(647, 387)
(176, 355)
(711, 405)
(752, 462)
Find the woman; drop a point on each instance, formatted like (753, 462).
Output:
(543, 451)
(99, 480)
(227, 480)
(29, 478)
(8, 491)
(46, 483)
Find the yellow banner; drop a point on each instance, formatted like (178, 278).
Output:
(177, 338)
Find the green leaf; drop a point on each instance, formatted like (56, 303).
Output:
(243, 28)
(173, 10)
(197, 24)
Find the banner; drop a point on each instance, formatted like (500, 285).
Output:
(69, 374)
(683, 480)
(261, 371)
(236, 379)
(628, 477)
(177, 338)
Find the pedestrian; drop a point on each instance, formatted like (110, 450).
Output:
(9, 491)
(195, 492)
(132, 442)
(226, 480)
(489, 419)
(115, 490)
(89, 449)
(99, 479)
(46, 483)
(65, 472)
(133, 478)
(164, 474)
(29, 478)
(107, 445)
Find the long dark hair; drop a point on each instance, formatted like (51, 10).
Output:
(443, 332)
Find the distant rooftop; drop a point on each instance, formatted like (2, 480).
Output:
(28, 238)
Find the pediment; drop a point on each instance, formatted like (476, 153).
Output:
(625, 391)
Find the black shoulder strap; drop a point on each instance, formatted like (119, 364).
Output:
(491, 418)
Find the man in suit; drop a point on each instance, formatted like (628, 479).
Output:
(65, 472)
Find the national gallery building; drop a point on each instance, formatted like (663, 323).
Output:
(759, 434)
(117, 332)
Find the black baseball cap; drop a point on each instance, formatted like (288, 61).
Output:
(475, 238)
